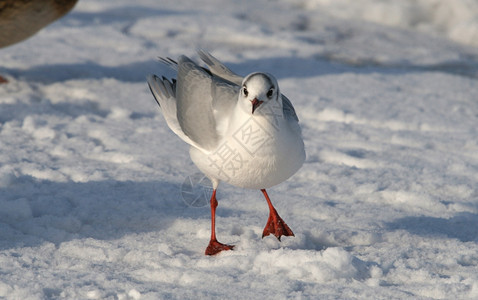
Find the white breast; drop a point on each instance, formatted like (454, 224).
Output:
(257, 152)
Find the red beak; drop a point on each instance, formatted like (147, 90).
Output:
(255, 104)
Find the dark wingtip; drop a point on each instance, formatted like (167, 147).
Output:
(168, 61)
(154, 95)
(151, 89)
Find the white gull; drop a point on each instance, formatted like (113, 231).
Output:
(242, 131)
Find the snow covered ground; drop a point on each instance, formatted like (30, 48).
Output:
(385, 206)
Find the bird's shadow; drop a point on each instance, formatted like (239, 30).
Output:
(33, 211)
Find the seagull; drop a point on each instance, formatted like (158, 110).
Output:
(20, 20)
(241, 131)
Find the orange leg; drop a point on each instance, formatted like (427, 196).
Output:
(214, 246)
(275, 224)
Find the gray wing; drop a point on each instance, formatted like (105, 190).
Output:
(164, 92)
(219, 69)
(288, 108)
(202, 101)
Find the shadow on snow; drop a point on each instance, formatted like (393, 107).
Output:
(34, 211)
(463, 226)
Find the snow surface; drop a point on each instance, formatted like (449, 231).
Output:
(385, 206)
(457, 19)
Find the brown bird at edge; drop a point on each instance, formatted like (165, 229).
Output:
(21, 19)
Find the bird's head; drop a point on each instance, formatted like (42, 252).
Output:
(259, 90)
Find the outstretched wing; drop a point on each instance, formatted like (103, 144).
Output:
(219, 69)
(164, 92)
(203, 101)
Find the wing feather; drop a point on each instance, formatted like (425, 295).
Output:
(219, 69)
(163, 93)
(203, 100)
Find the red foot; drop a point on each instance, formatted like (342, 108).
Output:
(215, 247)
(276, 226)
(3, 80)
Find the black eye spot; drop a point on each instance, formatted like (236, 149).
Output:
(270, 92)
(245, 91)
